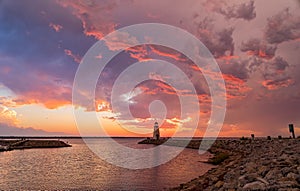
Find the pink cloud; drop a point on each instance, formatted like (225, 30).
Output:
(258, 48)
(76, 58)
(47, 96)
(55, 27)
(95, 16)
(44, 89)
(120, 41)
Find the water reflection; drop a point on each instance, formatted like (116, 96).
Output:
(79, 168)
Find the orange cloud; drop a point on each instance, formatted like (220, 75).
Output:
(8, 116)
(276, 84)
(235, 87)
(102, 105)
(50, 96)
(139, 52)
(260, 53)
(167, 52)
(159, 87)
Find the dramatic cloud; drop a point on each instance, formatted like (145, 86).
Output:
(275, 74)
(236, 74)
(237, 68)
(257, 48)
(282, 27)
(219, 42)
(235, 87)
(242, 11)
(169, 53)
(277, 83)
(43, 88)
(95, 16)
(35, 60)
(42, 43)
(140, 53)
(238, 11)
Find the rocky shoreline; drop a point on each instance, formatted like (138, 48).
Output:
(259, 164)
(8, 145)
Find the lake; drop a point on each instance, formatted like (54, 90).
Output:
(78, 168)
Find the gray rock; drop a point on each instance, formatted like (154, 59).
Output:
(251, 167)
(273, 174)
(291, 175)
(263, 170)
(247, 178)
(288, 184)
(298, 178)
(285, 171)
(262, 180)
(254, 186)
(219, 184)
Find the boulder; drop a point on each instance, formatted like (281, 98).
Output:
(257, 185)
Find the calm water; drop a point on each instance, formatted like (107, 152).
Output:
(79, 168)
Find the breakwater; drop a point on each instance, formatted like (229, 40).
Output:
(259, 164)
(7, 145)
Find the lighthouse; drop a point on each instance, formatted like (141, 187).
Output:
(156, 135)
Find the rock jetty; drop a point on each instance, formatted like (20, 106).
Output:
(259, 164)
(7, 145)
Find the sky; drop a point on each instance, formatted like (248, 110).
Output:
(256, 44)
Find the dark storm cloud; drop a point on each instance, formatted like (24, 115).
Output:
(237, 68)
(32, 53)
(242, 11)
(277, 83)
(275, 67)
(282, 27)
(257, 48)
(95, 15)
(235, 74)
(219, 42)
(275, 74)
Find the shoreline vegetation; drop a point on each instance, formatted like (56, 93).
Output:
(8, 145)
(246, 164)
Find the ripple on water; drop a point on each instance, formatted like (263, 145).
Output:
(78, 168)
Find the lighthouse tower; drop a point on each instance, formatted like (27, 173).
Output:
(156, 134)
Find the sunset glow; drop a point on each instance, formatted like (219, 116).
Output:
(42, 44)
